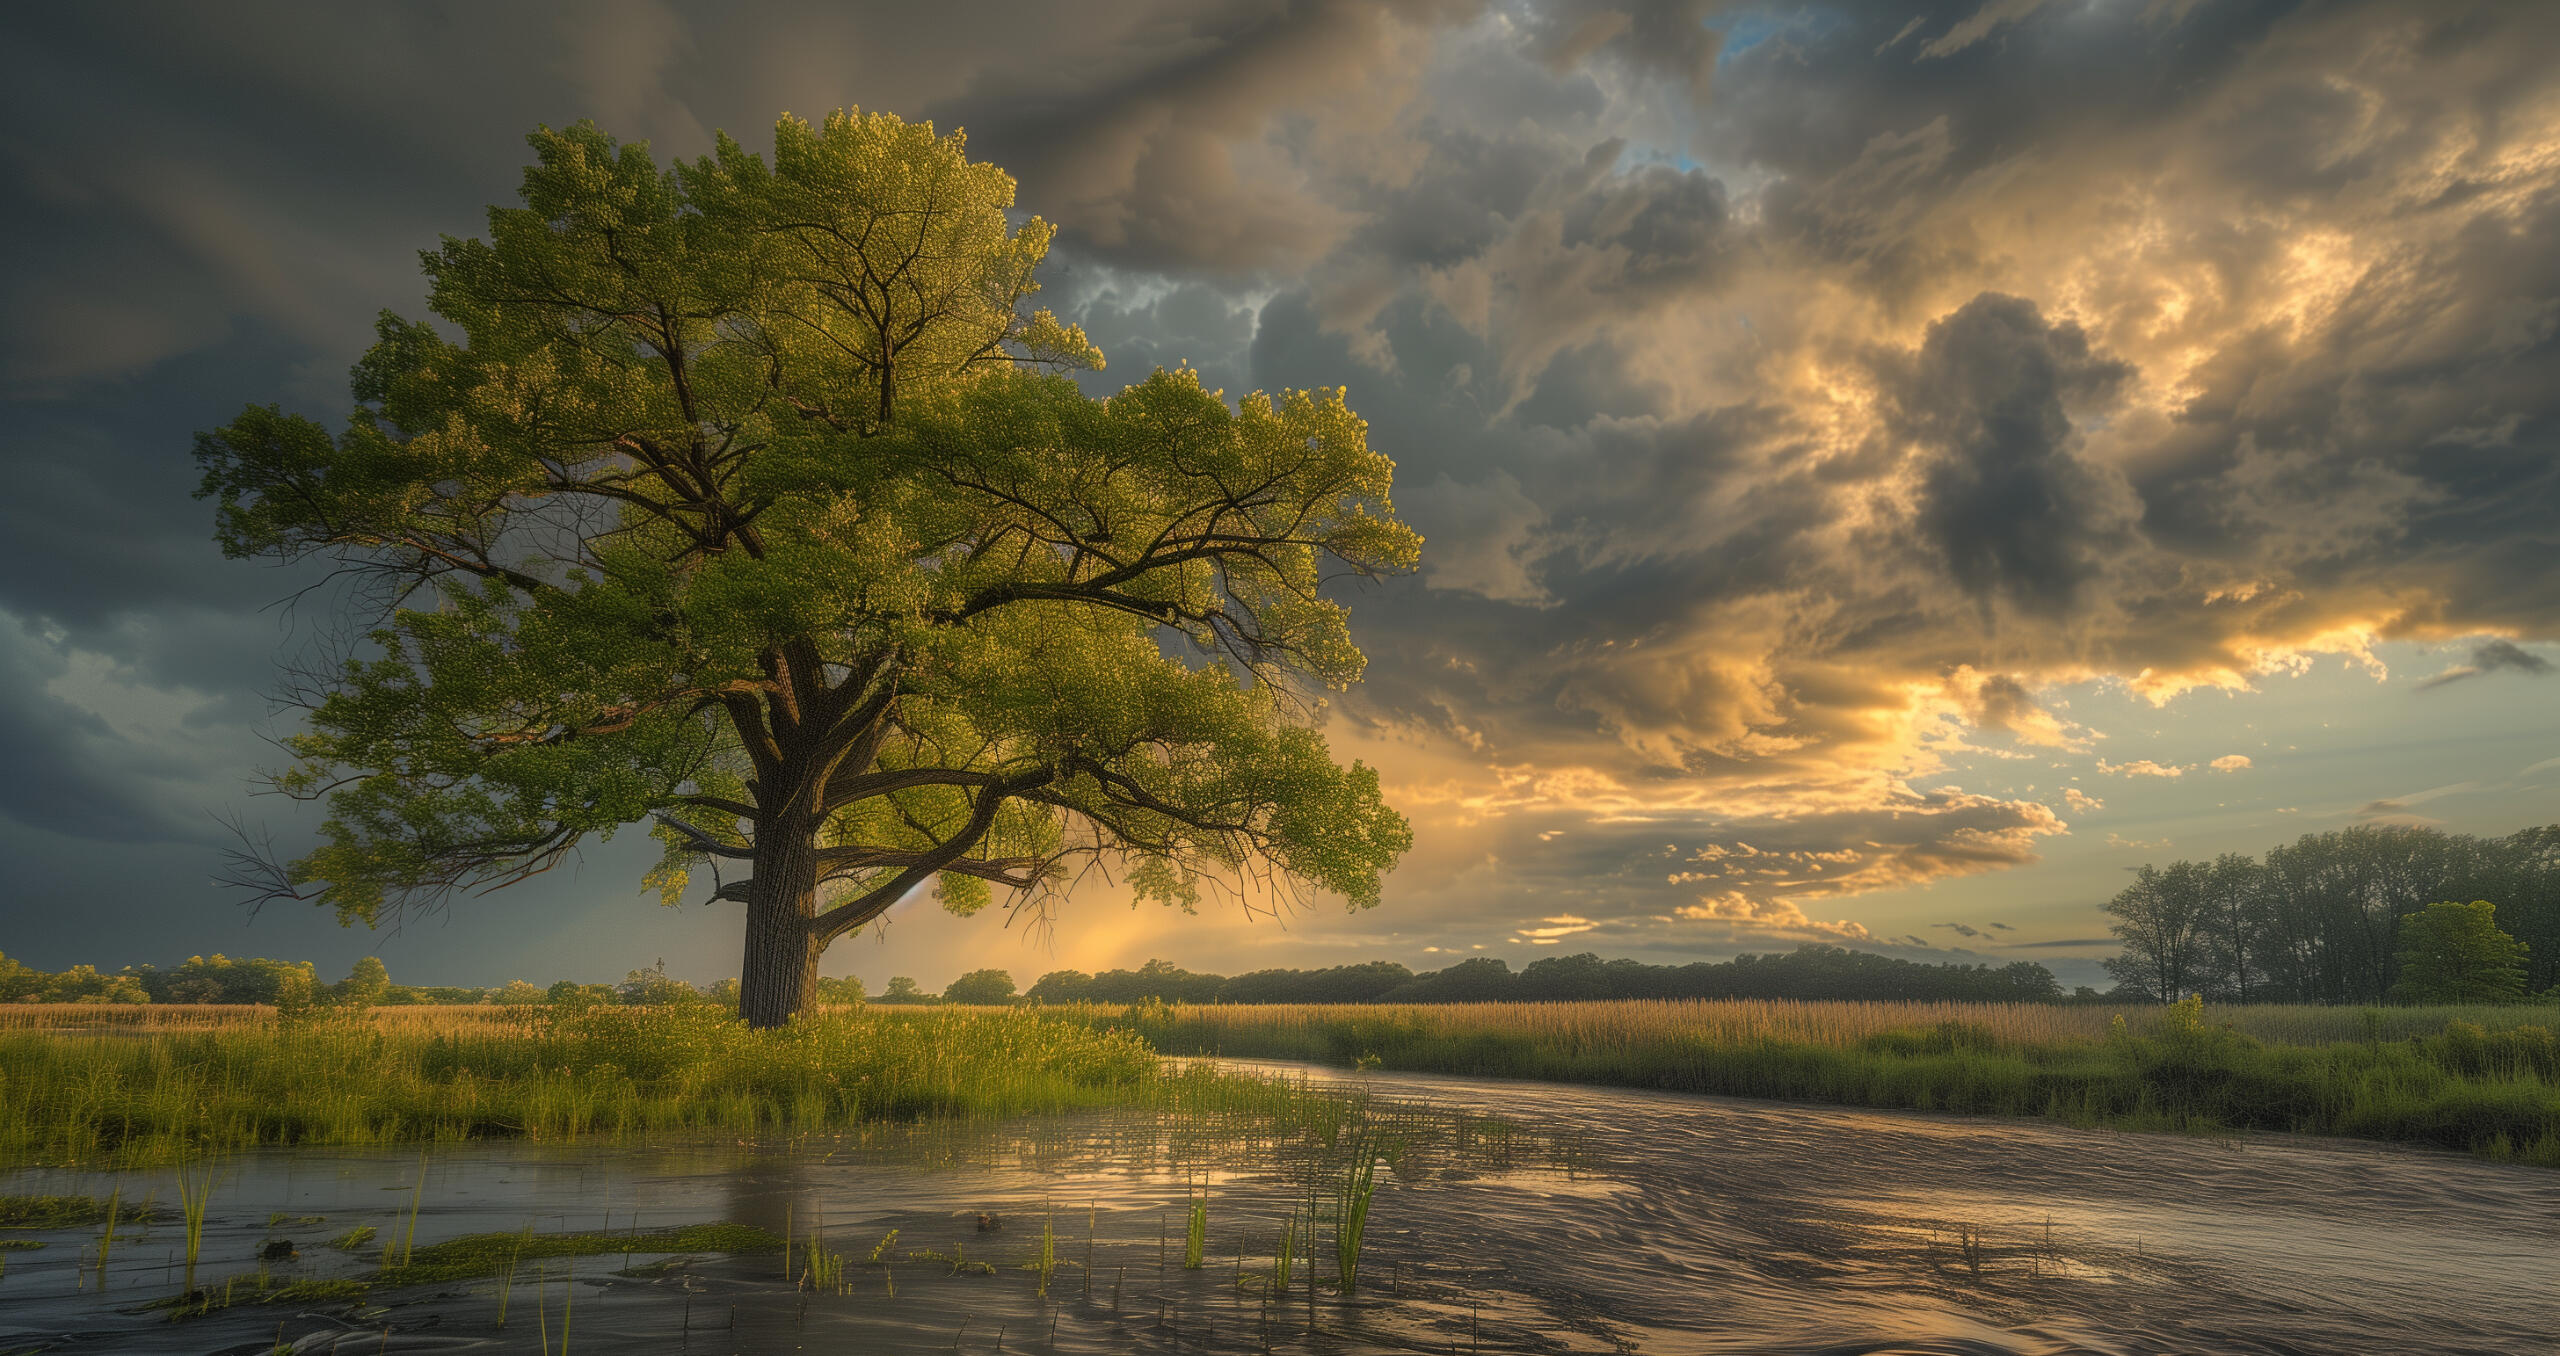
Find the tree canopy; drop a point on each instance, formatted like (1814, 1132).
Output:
(748, 500)
(2321, 919)
(2455, 953)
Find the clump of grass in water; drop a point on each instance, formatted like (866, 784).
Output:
(825, 1272)
(195, 1193)
(1359, 1184)
(353, 1238)
(507, 1287)
(473, 1256)
(1195, 1234)
(409, 1245)
(1046, 1262)
(1282, 1260)
(61, 1212)
(107, 1238)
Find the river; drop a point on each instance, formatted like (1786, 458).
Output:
(1609, 1221)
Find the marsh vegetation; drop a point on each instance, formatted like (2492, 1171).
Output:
(2483, 1079)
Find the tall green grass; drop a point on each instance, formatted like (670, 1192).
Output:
(164, 1096)
(2417, 1075)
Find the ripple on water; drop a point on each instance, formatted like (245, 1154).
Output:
(1617, 1221)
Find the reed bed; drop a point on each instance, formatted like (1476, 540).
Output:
(2484, 1079)
(162, 1096)
(1314, 1031)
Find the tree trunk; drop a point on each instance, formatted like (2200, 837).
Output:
(779, 976)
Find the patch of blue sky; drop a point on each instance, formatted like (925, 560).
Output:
(1746, 29)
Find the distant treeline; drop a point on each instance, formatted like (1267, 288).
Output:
(2320, 921)
(291, 984)
(1811, 971)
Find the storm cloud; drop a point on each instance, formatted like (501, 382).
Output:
(1794, 401)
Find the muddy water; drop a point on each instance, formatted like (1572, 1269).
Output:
(1608, 1222)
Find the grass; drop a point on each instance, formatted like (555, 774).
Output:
(484, 1256)
(2480, 1079)
(1352, 1194)
(157, 1096)
(66, 1212)
(1331, 1031)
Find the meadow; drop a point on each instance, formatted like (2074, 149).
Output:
(142, 1084)
(2482, 1079)
(96, 1085)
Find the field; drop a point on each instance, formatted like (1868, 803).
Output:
(139, 1084)
(136, 1086)
(2483, 1079)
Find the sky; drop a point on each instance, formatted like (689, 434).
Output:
(1887, 470)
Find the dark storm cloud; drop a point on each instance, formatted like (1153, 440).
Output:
(1789, 396)
(2492, 656)
(2005, 501)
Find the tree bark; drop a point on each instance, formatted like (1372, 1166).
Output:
(779, 975)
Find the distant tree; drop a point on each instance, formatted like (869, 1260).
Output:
(365, 985)
(1478, 979)
(746, 499)
(571, 996)
(2235, 910)
(2454, 953)
(981, 988)
(654, 987)
(724, 991)
(516, 993)
(1063, 986)
(2162, 919)
(902, 989)
(18, 982)
(847, 990)
(1160, 980)
(1365, 983)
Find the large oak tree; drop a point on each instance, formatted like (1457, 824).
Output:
(747, 501)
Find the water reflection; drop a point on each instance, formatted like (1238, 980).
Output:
(1587, 1220)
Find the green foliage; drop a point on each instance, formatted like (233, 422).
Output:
(473, 1256)
(986, 988)
(2319, 920)
(654, 986)
(2491, 1091)
(65, 1212)
(544, 1073)
(366, 985)
(568, 995)
(219, 979)
(902, 989)
(1812, 971)
(79, 984)
(2454, 953)
(744, 498)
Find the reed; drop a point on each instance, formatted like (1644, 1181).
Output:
(107, 1236)
(1046, 1263)
(1352, 1194)
(1195, 1233)
(158, 1096)
(195, 1194)
(2490, 1086)
(418, 1197)
(1342, 1032)
(1281, 1258)
(825, 1270)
